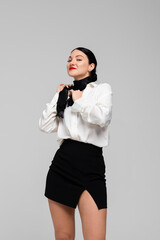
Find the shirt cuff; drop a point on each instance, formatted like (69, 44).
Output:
(78, 105)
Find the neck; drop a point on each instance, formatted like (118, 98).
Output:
(80, 78)
(81, 83)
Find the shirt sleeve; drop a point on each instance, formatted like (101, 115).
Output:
(48, 122)
(99, 113)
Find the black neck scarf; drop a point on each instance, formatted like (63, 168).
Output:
(64, 101)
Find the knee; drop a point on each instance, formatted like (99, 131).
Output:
(62, 236)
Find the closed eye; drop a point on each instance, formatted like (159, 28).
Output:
(77, 60)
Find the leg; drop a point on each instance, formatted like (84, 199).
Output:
(93, 219)
(63, 220)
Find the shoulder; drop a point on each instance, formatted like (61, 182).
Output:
(104, 87)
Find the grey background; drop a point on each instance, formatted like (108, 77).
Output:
(36, 40)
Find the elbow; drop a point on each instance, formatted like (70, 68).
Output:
(46, 127)
(42, 126)
(106, 119)
(105, 123)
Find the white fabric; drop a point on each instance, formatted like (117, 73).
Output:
(87, 120)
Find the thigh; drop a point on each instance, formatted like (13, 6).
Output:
(63, 218)
(93, 219)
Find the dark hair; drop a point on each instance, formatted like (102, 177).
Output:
(91, 58)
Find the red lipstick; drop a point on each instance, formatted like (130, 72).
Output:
(71, 68)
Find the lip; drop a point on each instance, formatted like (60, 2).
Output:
(71, 68)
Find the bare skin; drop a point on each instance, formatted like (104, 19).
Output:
(63, 217)
(93, 220)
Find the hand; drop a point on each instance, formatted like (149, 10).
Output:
(61, 86)
(76, 94)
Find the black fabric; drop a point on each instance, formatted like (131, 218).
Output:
(63, 102)
(70, 173)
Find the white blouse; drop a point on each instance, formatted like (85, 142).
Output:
(87, 120)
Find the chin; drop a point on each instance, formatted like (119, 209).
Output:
(72, 74)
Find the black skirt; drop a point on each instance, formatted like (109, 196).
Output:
(77, 166)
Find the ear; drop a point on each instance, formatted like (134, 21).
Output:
(92, 66)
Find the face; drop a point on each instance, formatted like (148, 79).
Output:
(78, 65)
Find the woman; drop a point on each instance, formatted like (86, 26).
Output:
(80, 114)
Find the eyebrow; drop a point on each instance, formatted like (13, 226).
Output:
(76, 56)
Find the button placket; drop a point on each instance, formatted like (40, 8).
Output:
(75, 125)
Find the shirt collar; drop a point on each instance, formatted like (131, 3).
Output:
(93, 84)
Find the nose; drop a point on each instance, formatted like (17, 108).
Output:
(72, 62)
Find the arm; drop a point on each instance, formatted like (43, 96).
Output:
(48, 122)
(99, 113)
